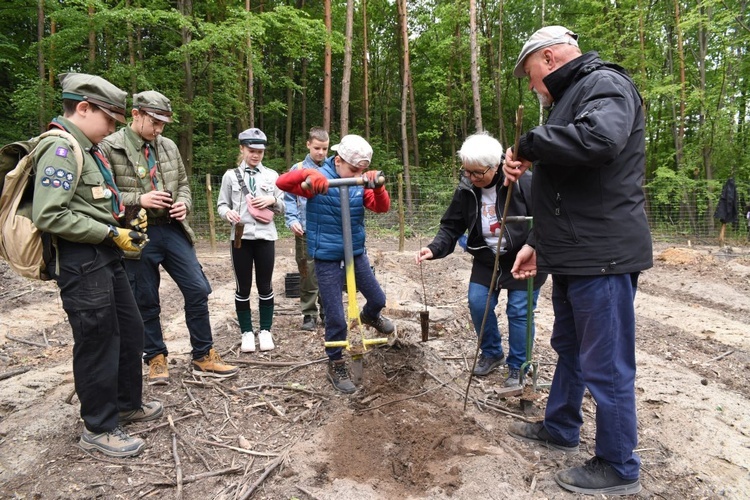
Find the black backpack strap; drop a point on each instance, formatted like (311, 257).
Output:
(245, 191)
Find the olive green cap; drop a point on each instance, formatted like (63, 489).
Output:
(96, 90)
(154, 104)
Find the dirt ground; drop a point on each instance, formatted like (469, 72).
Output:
(279, 431)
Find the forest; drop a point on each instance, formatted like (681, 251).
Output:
(413, 76)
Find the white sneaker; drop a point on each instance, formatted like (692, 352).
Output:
(248, 342)
(265, 340)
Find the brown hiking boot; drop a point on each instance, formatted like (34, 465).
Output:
(211, 365)
(158, 374)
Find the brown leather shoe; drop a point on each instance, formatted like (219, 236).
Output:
(158, 374)
(211, 365)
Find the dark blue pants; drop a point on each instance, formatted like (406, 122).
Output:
(107, 332)
(169, 247)
(331, 280)
(594, 337)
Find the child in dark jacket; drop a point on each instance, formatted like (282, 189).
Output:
(325, 242)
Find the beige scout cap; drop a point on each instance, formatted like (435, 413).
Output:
(154, 104)
(549, 35)
(96, 90)
(355, 150)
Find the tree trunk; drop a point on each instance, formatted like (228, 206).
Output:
(186, 134)
(131, 53)
(679, 139)
(347, 75)
(303, 105)
(250, 77)
(40, 64)
(405, 101)
(501, 134)
(476, 98)
(92, 38)
(365, 71)
(289, 114)
(327, 68)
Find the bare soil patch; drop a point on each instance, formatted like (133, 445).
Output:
(280, 431)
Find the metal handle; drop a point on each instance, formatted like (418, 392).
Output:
(348, 181)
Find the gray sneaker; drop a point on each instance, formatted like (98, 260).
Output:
(596, 477)
(339, 377)
(485, 364)
(308, 323)
(536, 433)
(381, 323)
(148, 411)
(513, 379)
(115, 443)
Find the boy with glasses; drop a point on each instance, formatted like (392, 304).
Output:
(148, 169)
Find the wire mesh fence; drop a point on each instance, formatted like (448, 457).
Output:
(678, 216)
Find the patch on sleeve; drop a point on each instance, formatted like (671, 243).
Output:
(61, 151)
(45, 182)
(49, 171)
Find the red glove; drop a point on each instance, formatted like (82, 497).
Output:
(372, 178)
(315, 181)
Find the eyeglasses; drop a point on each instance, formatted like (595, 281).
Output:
(475, 175)
(156, 123)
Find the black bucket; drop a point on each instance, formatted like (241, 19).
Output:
(291, 285)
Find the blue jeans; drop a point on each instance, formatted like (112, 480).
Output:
(331, 279)
(169, 247)
(594, 337)
(515, 310)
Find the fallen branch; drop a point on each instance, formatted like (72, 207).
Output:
(177, 465)
(234, 448)
(203, 475)
(275, 363)
(283, 386)
(195, 401)
(404, 399)
(13, 373)
(720, 356)
(29, 342)
(269, 468)
(306, 492)
(165, 424)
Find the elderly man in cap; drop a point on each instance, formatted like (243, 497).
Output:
(325, 243)
(150, 173)
(593, 237)
(81, 218)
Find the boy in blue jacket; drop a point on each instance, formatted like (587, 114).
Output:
(325, 243)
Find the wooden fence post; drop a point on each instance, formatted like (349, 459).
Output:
(211, 220)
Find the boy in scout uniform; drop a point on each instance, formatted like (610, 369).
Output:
(150, 174)
(80, 216)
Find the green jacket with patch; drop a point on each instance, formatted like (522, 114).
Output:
(124, 150)
(69, 207)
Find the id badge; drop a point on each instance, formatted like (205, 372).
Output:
(97, 192)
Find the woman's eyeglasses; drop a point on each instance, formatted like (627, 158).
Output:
(475, 175)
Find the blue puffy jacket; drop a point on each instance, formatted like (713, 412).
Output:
(325, 239)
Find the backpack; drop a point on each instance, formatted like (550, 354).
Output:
(20, 241)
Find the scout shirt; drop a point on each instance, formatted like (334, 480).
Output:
(76, 209)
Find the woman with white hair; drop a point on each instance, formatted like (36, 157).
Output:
(477, 207)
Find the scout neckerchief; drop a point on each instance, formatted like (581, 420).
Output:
(149, 153)
(251, 180)
(118, 209)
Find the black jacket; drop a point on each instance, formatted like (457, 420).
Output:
(464, 214)
(589, 163)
